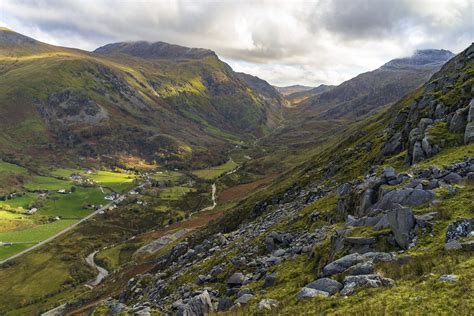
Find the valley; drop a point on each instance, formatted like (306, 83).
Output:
(147, 178)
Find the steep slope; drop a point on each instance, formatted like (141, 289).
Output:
(170, 104)
(299, 97)
(372, 90)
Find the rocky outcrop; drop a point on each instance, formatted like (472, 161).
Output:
(326, 285)
(402, 222)
(198, 305)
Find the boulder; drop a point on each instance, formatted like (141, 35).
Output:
(267, 304)
(367, 280)
(326, 285)
(236, 279)
(461, 228)
(406, 197)
(452, 178)
(242, 292)
(418, 154)
(393, 145)
(469, 131)
(310, 293)
(224, 304)
(360, 240)
(342, 264)
(458, 121)
(361, 268)
(198, 305)
(244, 299)
(270, 280)
(401, 221)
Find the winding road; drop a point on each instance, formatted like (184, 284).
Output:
(102, 272)
(69, 228)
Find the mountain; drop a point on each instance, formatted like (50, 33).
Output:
(298, 97)
(350, 228)
(372, 90)
(155, 101)
(292, 89)
(158, 50)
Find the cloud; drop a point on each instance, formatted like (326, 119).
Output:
(284, 42)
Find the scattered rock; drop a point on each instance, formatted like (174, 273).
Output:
(342, 264)
(460, 228)
(270, 280)
(307, 292)
(452, 245)
(236, 279)
(244, 299)
(326, 285)
(198, 305)
(361, 268)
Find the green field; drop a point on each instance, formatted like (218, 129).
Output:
(36, 234)
(65, 173)
(114, 180)
(47, 183)
(20, 201)
(7, 251)
(167, 176)
(72, 205)
(174, 193)
(215, 172)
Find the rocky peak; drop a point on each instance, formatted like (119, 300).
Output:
(156, 50)
(421, 58)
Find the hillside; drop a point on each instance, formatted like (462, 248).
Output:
(155, 101)
(371, 90)
(292, 89)
(377, 217)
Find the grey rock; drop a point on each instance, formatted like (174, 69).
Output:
(342, 264)
(326, 285)
(361, 268)
(458, 122)
(452, 178)
(451, 278)
(243, 292)
(401, 221)
(348, 289)
(418, 154)
(224, 304)
(236, 279)
(452, 245)
(244, 299)
(198, 305)
(368, 280)
(461, 228)
(406, 197)
(310, 293)
(270, 280)
(360, 240)
(343, 189)
(393, 145)
(267, 304)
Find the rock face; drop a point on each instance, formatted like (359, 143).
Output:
(198, 305)
(401, 221)
(469, 131)
(326, 285)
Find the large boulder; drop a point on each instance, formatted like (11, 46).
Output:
(236, 279)
(469, 131)
(342, 264)
(352, 282)
(326, 285)
(401, 221)
(198, 305)
(406, 197)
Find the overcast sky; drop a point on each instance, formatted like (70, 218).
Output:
(283, 42)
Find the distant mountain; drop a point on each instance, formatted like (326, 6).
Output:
(159, 50)
(297, 98)
(292, 89)
(171, 104)
(371, 90)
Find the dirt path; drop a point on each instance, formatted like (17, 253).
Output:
(102, 273)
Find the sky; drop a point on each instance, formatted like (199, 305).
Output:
(284, 42)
